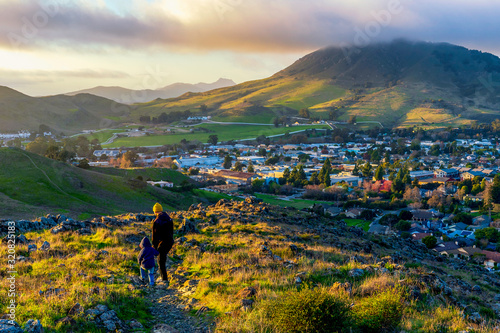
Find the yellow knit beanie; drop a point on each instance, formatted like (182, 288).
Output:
(157, 208)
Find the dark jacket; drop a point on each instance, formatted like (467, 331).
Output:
(146, 257)
(163, 232)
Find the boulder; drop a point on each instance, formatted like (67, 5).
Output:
(188, 227)
(33, 326)
(356, 272)
(246, 292)
(246, 304)
(45, 246)
(9, 326)
(75, 310)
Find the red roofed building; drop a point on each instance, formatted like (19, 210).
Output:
(492, 258)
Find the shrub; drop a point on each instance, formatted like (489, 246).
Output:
(308, 311)
(380, 312)
(429, 241)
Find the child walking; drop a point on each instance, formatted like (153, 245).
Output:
(146, 259)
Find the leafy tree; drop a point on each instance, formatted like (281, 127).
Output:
(463, 217)
(415, 144)
(38, 146)
(324, 173)
(228, 162)
(272, 160)
(490, 233)
(403, 225)
(304, 113)
(379, 173)
(314, 180)
(286, 175)
(204, 109)
(258, 184)
(352, 119)
(250, 167)
(493, 192)
(367, 169)
(389, 219)
(238, 166)
(367, 214)
(435, 150)
(405, 215)
(84, 164)
(429, 241)
(213, 139)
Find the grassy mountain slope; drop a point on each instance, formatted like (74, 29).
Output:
(255, 268)
(30, 183)
(60, 112)
(375, 83)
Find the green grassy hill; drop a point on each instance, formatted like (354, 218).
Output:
(31, 185)
(61, 113)
(374, 83)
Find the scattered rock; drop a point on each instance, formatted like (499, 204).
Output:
(188, 227)
(9, 326)
(246, 304)
(356, 272)
(164, 328)
(134, 324)
(33, 326)
(246, 292)
(67, 321)
(45, 246)
(476, 289)
(32, 248)
(76, 309)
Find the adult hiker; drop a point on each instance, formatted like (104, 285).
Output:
(163, 238)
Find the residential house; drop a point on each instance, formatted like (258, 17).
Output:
(447, 173)
(471, 175)
(420, 235)
(491, 258)
(421, 215)
(161, 183)
(236, 177)
(354, 213)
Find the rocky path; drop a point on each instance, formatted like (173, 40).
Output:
(171, 306)
(171, 313)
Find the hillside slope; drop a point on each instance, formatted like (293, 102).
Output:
(373, 83)
(248, 267)
(61, 113)
(29, 183)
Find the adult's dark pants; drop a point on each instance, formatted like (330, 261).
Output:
(162, 259)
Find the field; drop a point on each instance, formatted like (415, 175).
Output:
(297, 203)
(365, 225)
(224, 133)
(155, 174)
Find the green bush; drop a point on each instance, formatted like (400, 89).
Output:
(380, 312)
(308, 310)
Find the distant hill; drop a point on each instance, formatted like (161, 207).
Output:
(60, 112)
(31, 183)
(400, 83)
(129, 96)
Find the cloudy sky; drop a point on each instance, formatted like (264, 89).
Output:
(57, 46)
